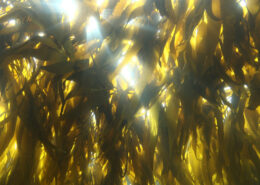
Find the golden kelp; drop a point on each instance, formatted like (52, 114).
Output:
(129, 92)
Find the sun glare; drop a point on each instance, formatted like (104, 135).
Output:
(100, 2)
(129, 71)
(12, 22)
(93, 31)
(127, 74)
(41, 34)
(92, 24)
(143, 113)
(242, 3)
(69, 8)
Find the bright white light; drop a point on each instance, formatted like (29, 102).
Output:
(135, 59)
(123, 53)
(93, 31)
(12, 22)
(69, 7)
(93, 118)
(120, 60)
(229, 99)
(26, 38)
(41, 34)
(227, 88)
(143, 113)
(148, 113)
(92, 24)
(132, 22)
(36, 61)
(242, 3)
(100, 2)
(159, 17)
(130, 43)
(163, 105)
(128, 75)
(227, 112)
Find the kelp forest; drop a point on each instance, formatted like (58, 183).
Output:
(129, 92)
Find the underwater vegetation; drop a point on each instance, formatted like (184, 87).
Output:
(112, 92)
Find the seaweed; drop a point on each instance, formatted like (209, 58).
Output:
(129, 92)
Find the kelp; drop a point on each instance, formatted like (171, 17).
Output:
(130, 92)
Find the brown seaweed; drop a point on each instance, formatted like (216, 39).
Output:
(130, 92)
